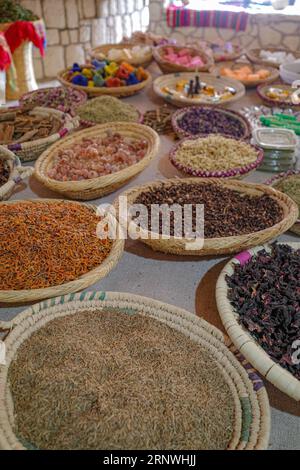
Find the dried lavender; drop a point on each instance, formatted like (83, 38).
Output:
(265, 292)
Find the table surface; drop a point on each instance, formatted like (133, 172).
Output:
(168, 278)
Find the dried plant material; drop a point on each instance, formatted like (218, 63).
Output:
(4, 172)
(159, 119)
(115, 379)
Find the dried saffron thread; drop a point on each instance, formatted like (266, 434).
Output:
(47, 244)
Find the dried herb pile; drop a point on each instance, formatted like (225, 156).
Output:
(226, 212)
(22, 126)
(12, 11)
(4, 172)
(113, 380)
(107, 109)
(265, 292)
(47, 244)
(291, 187)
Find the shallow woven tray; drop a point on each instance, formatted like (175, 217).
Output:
(181, 133)
(97, 53)
(82, 282)
(215, 246)
(242, 339)
(31, 150)
(253, 55)
(281, 176)
(97, 187)
(25, 99)
(226, 55)
(17, 173)
(252, 423)
(170, 81)
(274, 73)
(240, 172)
(261, 91)
(170, 67)
(120, 91)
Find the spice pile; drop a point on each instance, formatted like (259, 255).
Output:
(45, 244)
(107, 109)
(61, 98)
(265, 292)
(22, 125)
(159, 119)
(4, 172)
(97, 156)
(214, 153)
(204, 120)
(112, 380)
(290, 186)
(245, 73)
(105, 74)
(226, 212)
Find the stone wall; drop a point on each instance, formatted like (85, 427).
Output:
(276, 29)
(75, 26)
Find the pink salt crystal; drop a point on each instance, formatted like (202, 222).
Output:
(183, 52)
(197, 61)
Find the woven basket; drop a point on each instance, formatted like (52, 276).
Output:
(281, 176)
(261, 91)
(225, 56)
(274, 73)
(235, 173)
(170, 81)
(101, 52)
(252, 420)
(242, 339)
(181, 133)
(212, 246)
(170, 67)
(17, 173)
(31, 150)
(81, 98)
(84, 281)
(120, 91)
(97, 187)
(254, 56)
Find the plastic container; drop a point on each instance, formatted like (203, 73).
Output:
(279, 147)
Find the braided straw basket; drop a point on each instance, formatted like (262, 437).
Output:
(254, 56)
(274, 73)
(170, 67)
(241, 338)
(97, 187)
(211, 246)
(161, 84)
(17, 173)
(120, 91)
(84, 281)
(181, 133)
(101, 52)
(31, 150)
(280, 177)
(252, 418)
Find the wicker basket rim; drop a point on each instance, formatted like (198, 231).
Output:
(157, 51)
(274, 72)
(243, 335)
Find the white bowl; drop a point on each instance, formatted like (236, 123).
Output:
(290, 72)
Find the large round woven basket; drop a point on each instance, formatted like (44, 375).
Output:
(171, 67)
(168, 82)
(211, 246)
(276, 179)
(252, 418)
(242, 339)
(274, 73)
(84, 281)
(254, 56)
(101, 52)
(262, 90)
(120, 91)
(31, 150)
(97, 187)
(181, 133)
(17, 173)
(237, 51)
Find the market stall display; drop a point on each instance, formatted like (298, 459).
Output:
(139, 55)
(105, 78)
(28, 132)
(226, 400)
(248, 74)
(106, 166)
(105, 109)
(43, 252)
(272, 56)
(277, 94)
(182, 89)
(12, 173)
(237, 215)
(172, 59)
(254, 300)
(215, 156)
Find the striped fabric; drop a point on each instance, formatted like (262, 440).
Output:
(179, 16)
